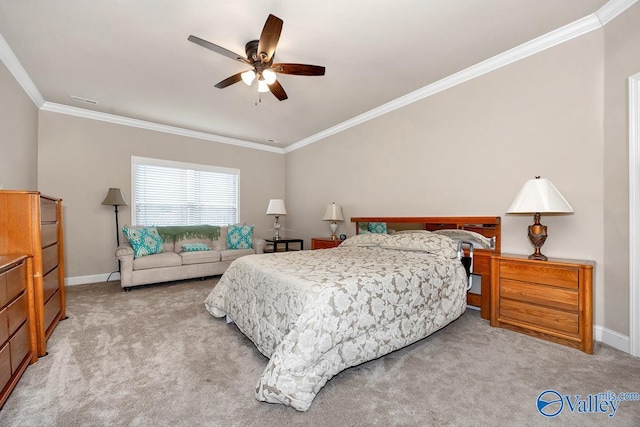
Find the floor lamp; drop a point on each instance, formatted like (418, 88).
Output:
(115, 198)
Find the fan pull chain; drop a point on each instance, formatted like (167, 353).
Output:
(258, 100)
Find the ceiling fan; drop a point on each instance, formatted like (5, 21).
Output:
(260, 55)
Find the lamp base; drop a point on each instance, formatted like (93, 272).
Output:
(333, 226)
(276, 225)
(537, 236)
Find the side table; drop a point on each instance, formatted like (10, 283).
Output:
(324, 243)
(275, 243)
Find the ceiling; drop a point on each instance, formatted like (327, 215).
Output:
(133, 57)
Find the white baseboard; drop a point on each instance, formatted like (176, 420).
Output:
(94, 278)
(612, 338)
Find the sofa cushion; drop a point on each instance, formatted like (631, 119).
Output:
(143, 240)
(199, 257)
(165, 259)
(195, 247)
(240, 236)
(231, 254)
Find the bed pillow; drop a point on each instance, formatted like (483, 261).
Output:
(432, 243)
(369, 239)
(143, 240)
(194, 247)
(478, 240)
(363, 228)
(377, 227)
(239, 236)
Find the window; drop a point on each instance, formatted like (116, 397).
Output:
(175, 193)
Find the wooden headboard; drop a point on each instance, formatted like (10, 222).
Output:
(488, 226)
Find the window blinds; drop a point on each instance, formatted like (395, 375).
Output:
(175, 193)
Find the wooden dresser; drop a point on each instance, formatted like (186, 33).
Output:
(550, 299)
(31, 224)
(17, 328)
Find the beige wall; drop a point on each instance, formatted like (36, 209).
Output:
(81, 158)
(468, 150)
(622, 44)
(18, 136)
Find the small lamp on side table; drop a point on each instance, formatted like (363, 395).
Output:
(276, 207)
(538, 196)
(333, 214)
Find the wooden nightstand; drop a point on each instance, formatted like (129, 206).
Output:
(324, 243)
(550, 299)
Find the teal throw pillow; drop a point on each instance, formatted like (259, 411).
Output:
(193, 247)
(240, 236)
(378, 227)
(144, 240)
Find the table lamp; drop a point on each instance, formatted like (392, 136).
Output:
(539, 196)
(333, 214)
(276, 207)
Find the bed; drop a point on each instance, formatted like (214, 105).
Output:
(316, 313)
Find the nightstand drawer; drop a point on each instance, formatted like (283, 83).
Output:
(540, 273)
(539, 294)
(539, 316)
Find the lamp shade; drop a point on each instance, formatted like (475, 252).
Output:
(115, 198)
(333, 213)
(539, 195)
(276, 207)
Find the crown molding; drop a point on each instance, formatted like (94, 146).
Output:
(142, 124)
(613, 8)
(19, 73)
(546, 41)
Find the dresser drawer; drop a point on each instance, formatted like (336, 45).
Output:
(19, 345)
(51, 309)
(49, 258)
(3, 290)
(5, 365)
(539, 273)
(48, 210)
(549, 296)
(16, 281)
(17, 313)
(49, 234)
(538, 316)
(50, 284)
(4, 327)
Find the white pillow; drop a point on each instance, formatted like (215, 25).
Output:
(432, 243)
(478, 240)
(369, 239)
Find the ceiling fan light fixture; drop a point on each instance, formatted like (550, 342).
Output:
(269, 76)
(248, 76)
(263, 86)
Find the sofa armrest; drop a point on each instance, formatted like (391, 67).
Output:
(258, 244)
(124, 255)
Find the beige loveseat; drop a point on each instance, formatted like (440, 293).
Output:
(176, 264)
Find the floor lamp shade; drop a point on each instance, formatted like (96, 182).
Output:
(538, 196)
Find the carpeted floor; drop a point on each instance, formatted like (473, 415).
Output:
(155, 357)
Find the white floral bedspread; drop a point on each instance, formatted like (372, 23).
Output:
(316, 313)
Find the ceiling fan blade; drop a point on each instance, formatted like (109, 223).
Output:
(230, 80)
(298, 69)
(217, 49)
(269, 38)
(278, 91)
